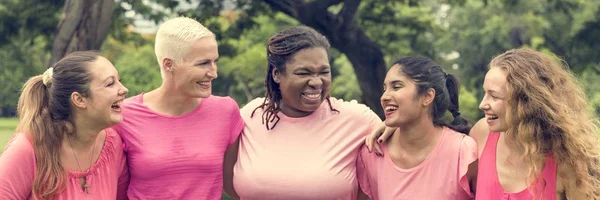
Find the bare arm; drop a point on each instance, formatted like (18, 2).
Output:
(472, 176)
(480, 132)
(228, 163)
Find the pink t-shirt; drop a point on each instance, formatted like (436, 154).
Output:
(107, 177)
(312, 157)
(178, 157)
(441, 176)
(488, 184)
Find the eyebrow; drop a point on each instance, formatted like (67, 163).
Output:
(309, 68)
(396, 81)
(111, 77)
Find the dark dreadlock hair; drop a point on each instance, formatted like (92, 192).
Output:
(280, 49)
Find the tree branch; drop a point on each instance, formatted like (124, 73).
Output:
(286, 6)
(348, 11)
(66, 29)
(322, 5)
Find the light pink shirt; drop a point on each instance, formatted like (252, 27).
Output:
(441, 176)
(312, 157)
(488, 184)
(107, 177)
(178, 157)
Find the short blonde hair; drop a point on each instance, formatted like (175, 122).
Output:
(174, 37)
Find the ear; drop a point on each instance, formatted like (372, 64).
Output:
(78, 100)
(276, 75)
(168, 64)
(428, 97)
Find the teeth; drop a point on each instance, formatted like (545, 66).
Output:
(313, 96)
(492, 117)
(391, 108)
(116, 104)
(205, 83)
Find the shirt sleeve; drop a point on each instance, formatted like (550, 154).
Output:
(17, 168)
(237, 122)
(362, 174)
(371, 119)
(468, 155)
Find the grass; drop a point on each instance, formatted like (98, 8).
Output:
(7, 129)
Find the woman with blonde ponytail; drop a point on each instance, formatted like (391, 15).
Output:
(63, 148)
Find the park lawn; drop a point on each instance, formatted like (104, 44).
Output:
(7, 129)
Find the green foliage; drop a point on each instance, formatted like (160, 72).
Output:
(19, 60)
(139, 70)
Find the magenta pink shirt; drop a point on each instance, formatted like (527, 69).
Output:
(488, 184)
(443, 174)
(178, 157)
(107, 177)
(312, 157)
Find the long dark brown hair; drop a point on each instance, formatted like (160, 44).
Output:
(44, 112)
(428, 74)
(280, 49)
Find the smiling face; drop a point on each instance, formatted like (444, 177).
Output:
(106, 94)
(399, 99)
(193, 76)
(305, 83)
(494, 101)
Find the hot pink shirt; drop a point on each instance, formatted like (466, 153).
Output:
(441, 176)
(488, 184)
(312, 157)
(178, 157)
(107, 177)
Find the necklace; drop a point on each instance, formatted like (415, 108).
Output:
(85, 186)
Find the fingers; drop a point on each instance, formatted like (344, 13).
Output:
(386, 134)
(371, 138)
(369, 143)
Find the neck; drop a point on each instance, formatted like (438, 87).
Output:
(167, 100)
(292, 112)
(416, 136)
(84, 135)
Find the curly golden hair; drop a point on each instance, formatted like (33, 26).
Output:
(548, 113)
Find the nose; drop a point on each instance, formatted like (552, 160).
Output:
(315, 82)
(484, 105)
(212, 72)
(385, 97)
(123, 91)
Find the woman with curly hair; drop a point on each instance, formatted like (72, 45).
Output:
(539, 139)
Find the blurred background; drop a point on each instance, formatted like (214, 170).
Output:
(461, 35)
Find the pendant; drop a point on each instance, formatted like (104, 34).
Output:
(86, 186)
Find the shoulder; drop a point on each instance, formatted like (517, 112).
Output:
(352, 107)
(132, 100)
(112, 134)
(113, 138)
(222, 101)
(480, 131)
(253, 104)
(20, 143)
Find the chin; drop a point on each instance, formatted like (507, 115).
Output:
(391, 123)
(201, 94)
(311, 107)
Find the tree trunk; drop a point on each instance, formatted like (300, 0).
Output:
(344, 34)
(84, 27)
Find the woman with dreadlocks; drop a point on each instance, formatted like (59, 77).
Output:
(293, 145)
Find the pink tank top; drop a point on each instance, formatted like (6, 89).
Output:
(488, 184)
